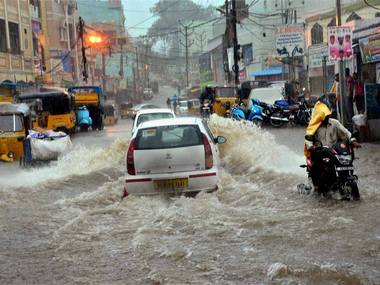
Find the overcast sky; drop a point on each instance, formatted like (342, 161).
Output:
(138, 17)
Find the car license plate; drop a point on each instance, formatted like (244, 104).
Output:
(179, 183)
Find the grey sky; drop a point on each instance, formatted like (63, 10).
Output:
(137, 11)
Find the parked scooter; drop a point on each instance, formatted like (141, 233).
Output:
(330, 170)
(84, 120)
(253, 114)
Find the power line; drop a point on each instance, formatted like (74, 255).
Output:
(370, 5)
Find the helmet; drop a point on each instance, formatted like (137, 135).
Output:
(255, 101)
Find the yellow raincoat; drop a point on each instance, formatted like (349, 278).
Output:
(320, 112)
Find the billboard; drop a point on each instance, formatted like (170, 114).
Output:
(370, 48)
(340, 43)
(290, 40)
(316, 55)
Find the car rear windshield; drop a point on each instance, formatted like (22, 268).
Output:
(153, 116)
(168, 137)
(10, 123)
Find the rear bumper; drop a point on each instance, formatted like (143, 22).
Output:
(199, 181)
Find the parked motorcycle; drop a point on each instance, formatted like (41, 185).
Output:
(330, 170)
(84, 120)
(296, 114)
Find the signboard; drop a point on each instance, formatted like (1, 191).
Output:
(205, 67)
(317, 54)
(340, 43)
(370, 49)
(372, 95)
(247, 54)
(290, 40)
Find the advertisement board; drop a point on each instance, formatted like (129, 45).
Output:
(340, 43)
(290, 40)
(370, 49)
(316, 55)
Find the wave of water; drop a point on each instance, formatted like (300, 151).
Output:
(80, 160)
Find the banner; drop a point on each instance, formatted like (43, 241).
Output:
(316, 55)
(340, 43)
(290, 40)
(370, 49)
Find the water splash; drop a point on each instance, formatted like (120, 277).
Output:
(80, 161)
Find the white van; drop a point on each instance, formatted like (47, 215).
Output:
(267, 95)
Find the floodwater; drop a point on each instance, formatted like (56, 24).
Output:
(67, 224)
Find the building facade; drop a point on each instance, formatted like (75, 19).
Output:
(16, 46)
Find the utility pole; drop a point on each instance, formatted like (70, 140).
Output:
(84, 59)
(187, 45)
(104, 71)
(227, 42)
(137, 75)
(235, 67)
(342, 78)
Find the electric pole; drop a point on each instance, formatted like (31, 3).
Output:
(137, 75)
(84, 59)
(235, 67)
(187, 45)
(342, 77)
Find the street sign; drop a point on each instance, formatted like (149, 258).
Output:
(316, 55)
(340, 43)
(290, 40)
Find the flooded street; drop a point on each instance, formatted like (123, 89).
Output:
(66, 223)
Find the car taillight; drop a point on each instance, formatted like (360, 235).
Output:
(208, 153)
(130, 158)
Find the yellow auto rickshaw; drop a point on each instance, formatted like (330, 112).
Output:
(15, 120)
(125, 110)
(110, 113)
(225, 97)
(8, 92)
(54, 110)
(194, 107)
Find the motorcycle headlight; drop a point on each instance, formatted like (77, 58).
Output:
(11, 154)
(344, 159)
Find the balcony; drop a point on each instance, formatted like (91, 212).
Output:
(16, 61)
(4, 60)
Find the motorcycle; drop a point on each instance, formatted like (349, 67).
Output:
(206, 110)
(330, 170)
(83, 118)
(295, 114)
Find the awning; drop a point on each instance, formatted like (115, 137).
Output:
(267, 72)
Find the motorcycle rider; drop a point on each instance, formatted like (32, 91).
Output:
(207, 94)
(324, 131)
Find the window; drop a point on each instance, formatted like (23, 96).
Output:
(316, 34)
(153, 116)
(168, 137)
(14, 37)
(10, 123)
(26, 43)
(3, 38)
(62, 34)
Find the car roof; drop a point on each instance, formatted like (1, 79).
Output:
(156, 110)
(144, 104)
(172, 121)
(9, 109)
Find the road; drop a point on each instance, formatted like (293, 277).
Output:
(66, 223)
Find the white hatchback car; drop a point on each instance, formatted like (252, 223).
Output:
(150, 115)
(172, 156)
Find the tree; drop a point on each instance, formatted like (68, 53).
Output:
(170, 12)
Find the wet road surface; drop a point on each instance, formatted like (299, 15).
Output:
(66, 223)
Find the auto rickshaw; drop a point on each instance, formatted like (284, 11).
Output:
(194, 107)
(225, 98)
(8, 92)
(54, 110)
(125, 110)
(15, 120)
(111, 117)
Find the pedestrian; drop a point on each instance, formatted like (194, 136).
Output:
(358, 94)
(336, 91)
(175, 106)
(169, 103)
(349, 108)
